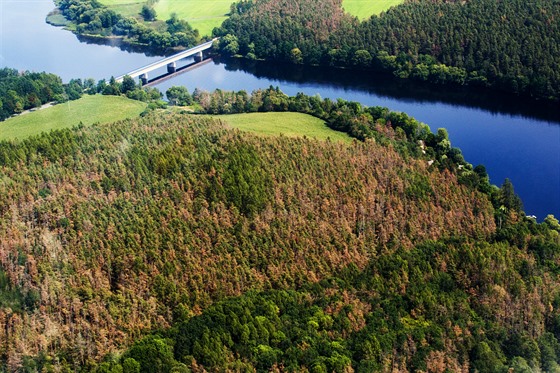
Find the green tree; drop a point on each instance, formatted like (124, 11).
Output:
(487, 360)
(508, 198)
(362, 58)
(128, 84)
(148, 13)
(296, 56)
(552, 222)
(153, 354)
(175, 25)
(13, 103)
(229, 44)
(178, 95)
(519, 365)
(130, 365)
(246, 183)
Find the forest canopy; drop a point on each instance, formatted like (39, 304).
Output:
(28, 90)
(509, 45)
(171, 239)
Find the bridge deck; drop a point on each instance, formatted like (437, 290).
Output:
(161, 63)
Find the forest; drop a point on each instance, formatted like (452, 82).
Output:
(171, 241)
(508, 45)
(19, 92)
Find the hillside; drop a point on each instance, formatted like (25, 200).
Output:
(111, 232)
(284, 123)
(87, 110)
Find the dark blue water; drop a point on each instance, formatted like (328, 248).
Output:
(513, 138)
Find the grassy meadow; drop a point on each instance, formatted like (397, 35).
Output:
(365, 8)
(88, 110)
(128, 8)
(285, 123)
(203, 15)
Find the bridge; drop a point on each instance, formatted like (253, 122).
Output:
(170, 62)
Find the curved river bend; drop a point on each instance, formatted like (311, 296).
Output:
(513, 138)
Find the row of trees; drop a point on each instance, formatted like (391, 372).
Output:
(409, 136)
(92, 18)
(507, 45)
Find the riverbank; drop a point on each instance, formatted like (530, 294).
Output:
(94, 21)
(452, 43)
(55, 18)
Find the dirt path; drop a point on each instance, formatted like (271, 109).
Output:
(48, 104)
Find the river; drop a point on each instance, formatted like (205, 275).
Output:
(513, 138)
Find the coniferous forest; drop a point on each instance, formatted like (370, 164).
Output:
(171, 243)
(508, 45)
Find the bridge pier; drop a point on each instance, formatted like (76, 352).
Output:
(171, 67)
(144, 78)
(169, 62)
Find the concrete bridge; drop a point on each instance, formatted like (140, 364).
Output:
(171, 62)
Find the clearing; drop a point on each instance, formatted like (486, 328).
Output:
(285, 123)
(203, 15)
(128, 8)
(366, 8)
(88, 110)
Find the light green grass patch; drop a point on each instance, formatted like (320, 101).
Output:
(57, 19)
(87, 110)
(127, 8)
(285, 123)
(366, 8)
(203, 15)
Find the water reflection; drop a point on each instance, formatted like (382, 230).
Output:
(405, 90)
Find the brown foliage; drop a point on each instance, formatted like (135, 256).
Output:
(111, 264)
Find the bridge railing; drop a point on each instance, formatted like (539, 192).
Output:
(168, 60)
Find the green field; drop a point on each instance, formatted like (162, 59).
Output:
(365, 8)
(128, 8)
(288, 124)
(203, 15)
(88, 110)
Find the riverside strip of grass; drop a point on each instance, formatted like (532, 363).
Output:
(366, 8)
(87, 110)
(288, 124)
